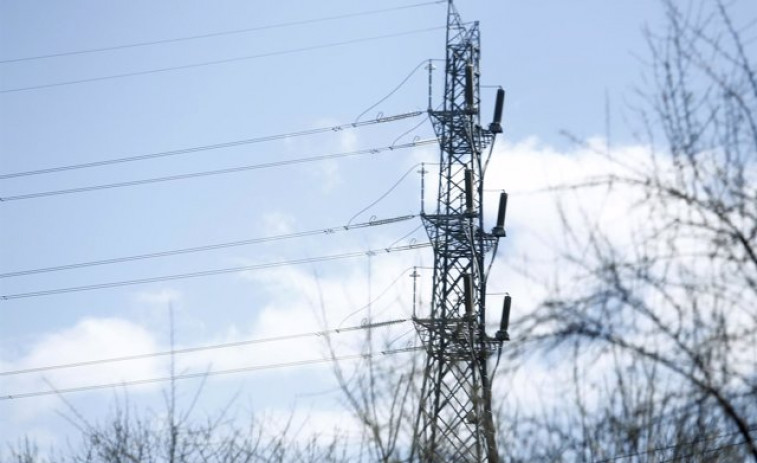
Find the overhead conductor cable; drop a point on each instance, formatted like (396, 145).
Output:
(229, 144)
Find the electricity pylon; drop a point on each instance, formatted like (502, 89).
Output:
(454, 421)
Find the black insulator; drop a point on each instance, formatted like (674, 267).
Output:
(468, 293)
(499, 230)
(499, 105)
(468, 191)
(496, 125)
(469, 88)
(504, 323)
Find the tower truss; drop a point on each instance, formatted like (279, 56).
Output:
(454, 421)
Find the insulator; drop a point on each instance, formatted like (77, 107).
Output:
(496, 125)
(504, 323)
(470, 104)
(468, 293)
(499, 230)
(469, 191)
(499, 105)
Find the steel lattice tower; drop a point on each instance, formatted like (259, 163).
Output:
(454, 421)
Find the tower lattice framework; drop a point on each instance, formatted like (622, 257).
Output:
(454, 421)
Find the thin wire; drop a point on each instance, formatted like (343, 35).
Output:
(139, 382)
(489, 157)
(383, 293)
(228, 144)
(392, 188)
(410, 233)
(486, 280)
(423, 121)
(208, 247)
(224, 61)
(204, 273)
(375, 299)
(388, 95)
(495, 248)
(496, 365)
(203, 348)
(219, 34)
(230, 170)
(400, 336)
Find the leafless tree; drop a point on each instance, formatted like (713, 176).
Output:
(662, 326)
(174, 435)
(129, 436)
(381, 394)
(658, 332)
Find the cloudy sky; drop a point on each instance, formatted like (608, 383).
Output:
(85, 81)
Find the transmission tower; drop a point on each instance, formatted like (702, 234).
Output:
(454, 421)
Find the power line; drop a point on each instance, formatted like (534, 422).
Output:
(204, 348)
(208, 247)
(207, 173)
(139, 382)
(225, 61)
(375, 299)
(220, 33)
(386, 193)
(204, 273)
(229, 144)
(393, 91)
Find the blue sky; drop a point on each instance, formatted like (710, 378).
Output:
(560, 62)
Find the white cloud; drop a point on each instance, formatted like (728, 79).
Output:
(90, 339)
(275, 223)
(534, 176)
(348, 140)
(328, 175)
(302, 300)
(305, 301)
